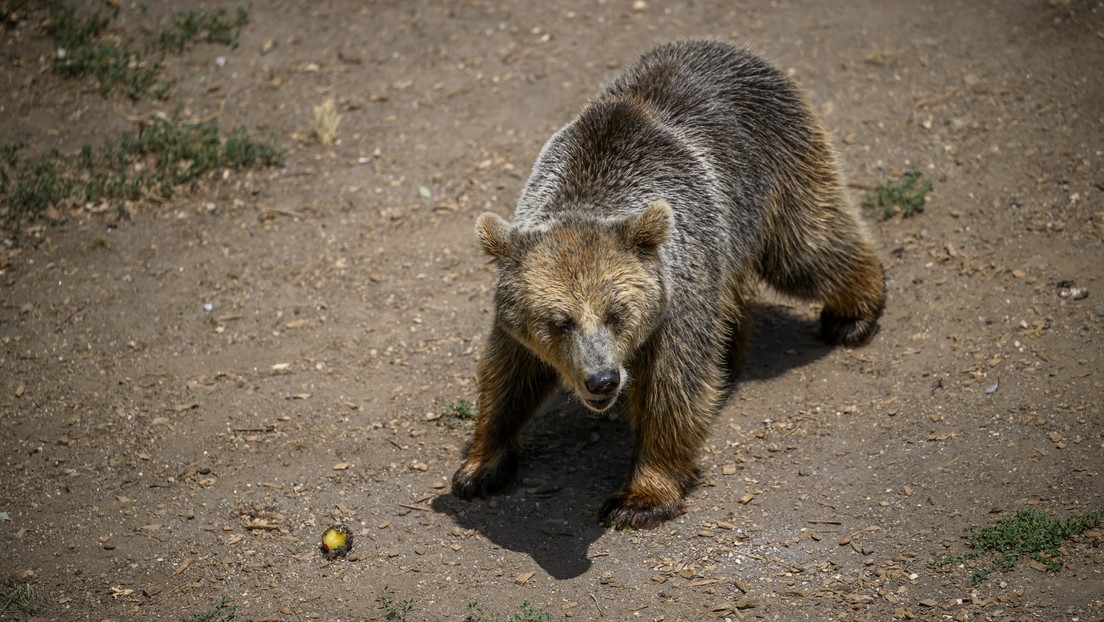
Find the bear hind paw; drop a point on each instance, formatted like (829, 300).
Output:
(848, 331)
(622, 511)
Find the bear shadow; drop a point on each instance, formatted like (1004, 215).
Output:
(781, 339)
(572, 461)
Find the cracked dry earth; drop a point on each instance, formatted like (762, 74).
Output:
(158, 454)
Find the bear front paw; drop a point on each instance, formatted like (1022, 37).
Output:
(624, 510)
(475, 479)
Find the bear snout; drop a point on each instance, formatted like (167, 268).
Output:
(603, 383)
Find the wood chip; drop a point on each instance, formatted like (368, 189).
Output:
(523, 578)
(860, 599)
(182, 566)
(746, 499)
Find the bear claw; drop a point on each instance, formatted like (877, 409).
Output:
(621, 512)
(847, 331)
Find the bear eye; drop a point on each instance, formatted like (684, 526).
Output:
(613, 318)
(561, 325)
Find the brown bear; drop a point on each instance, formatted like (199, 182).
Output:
(636, 243)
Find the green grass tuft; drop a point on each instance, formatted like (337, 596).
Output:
(1029, 533)
(165, 154)
(81, 52)
(84, 48)
(187, 27)
(528, 613)
(28, 186)
(23, 597)
(459, 412)
(224, 611)
(905, 197)
(393, 611)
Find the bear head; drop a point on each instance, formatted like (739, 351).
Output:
(582, 294)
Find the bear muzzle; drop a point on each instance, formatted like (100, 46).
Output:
(603, 388)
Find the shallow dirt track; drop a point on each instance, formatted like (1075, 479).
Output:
(156, 454)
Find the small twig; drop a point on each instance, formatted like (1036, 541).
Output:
(69, 317)
(283, 212)
(413, 507)
(600, 614)
(129, 117)
(932, 100)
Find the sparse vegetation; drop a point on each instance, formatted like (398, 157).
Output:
(1030, 533)
(326, 121)
(82, 51)
(392, 610)
(459, 412)
(905, 197)
(187, 27)
(528, 613)
(28, 186)
(224, 611)
(395, 611)
(23, 598)
(165, 154)
(85, 48)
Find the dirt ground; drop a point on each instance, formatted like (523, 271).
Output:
(189, 397)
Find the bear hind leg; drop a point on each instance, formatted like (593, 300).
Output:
(824, 254)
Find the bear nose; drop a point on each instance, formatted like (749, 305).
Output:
(604, 382)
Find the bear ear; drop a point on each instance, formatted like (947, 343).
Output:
(497, 238)
(650, 228)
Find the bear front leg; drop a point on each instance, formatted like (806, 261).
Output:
(671, 409)
(511, 383)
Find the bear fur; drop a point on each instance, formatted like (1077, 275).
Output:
(634, 249)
